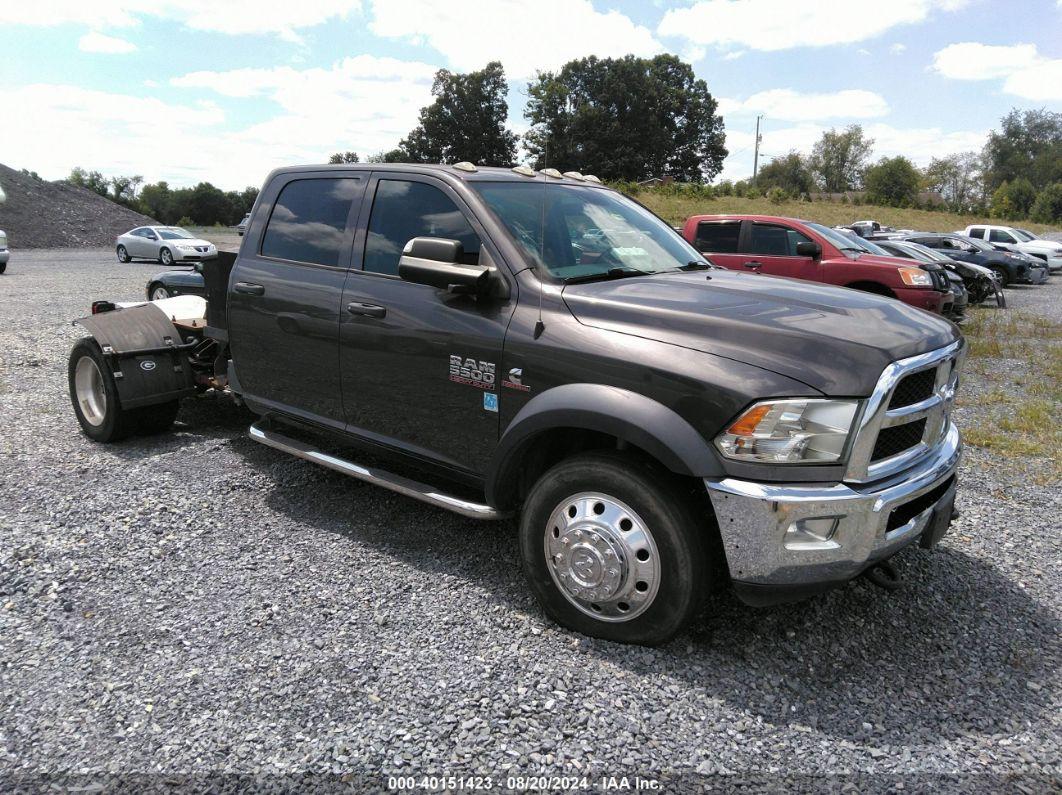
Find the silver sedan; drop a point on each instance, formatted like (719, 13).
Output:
(165, 244)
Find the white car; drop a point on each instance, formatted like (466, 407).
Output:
(165, 244)
(1011, 239)
(241, 227)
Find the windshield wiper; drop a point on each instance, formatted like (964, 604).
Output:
(611, 273)
(695, 265)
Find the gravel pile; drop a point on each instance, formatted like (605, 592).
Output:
(197, 604)
(43, 214)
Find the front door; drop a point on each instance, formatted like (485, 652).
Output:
(420, 364)
(285, 294)
(771, 248)
(718, 241)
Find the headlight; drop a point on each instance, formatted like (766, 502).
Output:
(916, 277)
(790, 431)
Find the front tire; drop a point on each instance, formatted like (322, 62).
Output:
(158, 291)
(123, 255)
(94, 395)
(166, 256)
(1001, 275)
(612, 548)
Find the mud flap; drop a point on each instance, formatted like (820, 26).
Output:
(146, 354)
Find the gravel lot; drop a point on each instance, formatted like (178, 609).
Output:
(196, 603)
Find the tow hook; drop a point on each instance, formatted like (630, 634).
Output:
(884, 575)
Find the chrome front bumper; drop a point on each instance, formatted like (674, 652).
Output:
(761, 523)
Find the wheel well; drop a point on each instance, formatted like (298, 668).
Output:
(550, 447)
(872, 287)
(151, 288)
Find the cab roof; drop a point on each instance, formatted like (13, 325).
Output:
(480, 174)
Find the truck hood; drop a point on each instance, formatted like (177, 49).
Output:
(833, 339)
(1041, 247)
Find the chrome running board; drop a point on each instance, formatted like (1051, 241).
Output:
(261, 432)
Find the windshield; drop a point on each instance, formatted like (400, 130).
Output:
(925, 253)
(577, 232)
(175, 233)
(840, 240)
(980, 245)
(1022, 235)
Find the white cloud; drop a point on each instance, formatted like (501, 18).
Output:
(897, 48)
(975, 61)
(1028, 74)
(525, 38)
(783, 24)
(230, 16)
(363, 104)
(94, 41)
(788, 105)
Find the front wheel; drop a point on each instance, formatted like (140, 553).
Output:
(158, 291)
(123, 255)
(166, 256)
(612, 548)
(1002, 279)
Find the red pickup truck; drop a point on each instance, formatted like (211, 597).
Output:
(813, 252)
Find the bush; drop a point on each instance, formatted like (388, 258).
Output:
(777, 195)
(185, 221)
(892, 181)
(1047, 209)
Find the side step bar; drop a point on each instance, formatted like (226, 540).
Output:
(262, 432)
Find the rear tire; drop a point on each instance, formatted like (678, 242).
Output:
(613, 548)
(3, 267)
(123, 255)
(94, 395)
(166, 256)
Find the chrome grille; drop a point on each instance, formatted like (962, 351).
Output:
(902, 420)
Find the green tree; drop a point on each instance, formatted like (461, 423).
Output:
(789, 172)
(957, 178)
(390, 156)
(839, 158)
(344, 157)
(1029, 145)
(465, 122)
(625, 119)
(1047, 209)
(1013, 200)
(155, 200)
(125, 189)
(92, 180)
(892, 181)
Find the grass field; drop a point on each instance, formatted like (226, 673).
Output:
(676, 209)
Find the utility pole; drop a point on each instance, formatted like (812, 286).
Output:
(756, 151)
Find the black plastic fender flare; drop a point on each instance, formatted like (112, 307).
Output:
(634, 418)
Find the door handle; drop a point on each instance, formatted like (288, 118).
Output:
(366, 310)
(248, 288)
(753, 264)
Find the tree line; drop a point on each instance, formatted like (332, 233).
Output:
(202, 205)
(1016, 176)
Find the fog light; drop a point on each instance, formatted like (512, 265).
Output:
(814, 533)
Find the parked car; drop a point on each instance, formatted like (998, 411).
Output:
(662, 426)
(165, 244)
(1011, 239)
(980, 282)
(813, 252)
(167, 284)
(241, 227)
(5, 255)
(953, 309)
(1009, 268)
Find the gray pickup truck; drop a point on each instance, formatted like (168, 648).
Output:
(506, 341)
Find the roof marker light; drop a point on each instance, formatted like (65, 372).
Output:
(464, 165)
(552, 172)
(524, 171)
(591, 178)
(573, 175)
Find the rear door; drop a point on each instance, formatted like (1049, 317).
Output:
(420, 364)
(286, 290)
(771, 248)
(718, 240)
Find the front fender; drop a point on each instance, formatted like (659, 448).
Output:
(632, 417)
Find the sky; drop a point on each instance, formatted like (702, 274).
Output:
(225, 90)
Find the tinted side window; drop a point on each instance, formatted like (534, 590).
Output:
(404, 210)
(309, 220)
(718, 237)
(931, 242)
(773, 240)
(978, 232)
(999, 236)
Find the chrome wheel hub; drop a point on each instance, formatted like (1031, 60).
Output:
(91, 395)
(159, 293)
(602, 557)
